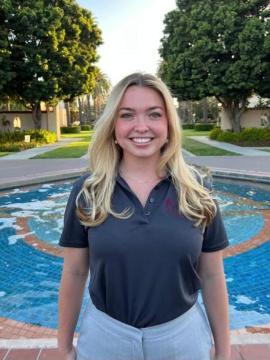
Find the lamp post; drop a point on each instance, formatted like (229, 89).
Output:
(219, 111)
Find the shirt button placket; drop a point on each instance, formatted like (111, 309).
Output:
(147, 211)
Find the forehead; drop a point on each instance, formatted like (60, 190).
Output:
(144, 97)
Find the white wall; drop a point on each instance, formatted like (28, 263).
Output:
(250, 118)
(51, 120)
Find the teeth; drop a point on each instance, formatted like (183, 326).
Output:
(141, 140)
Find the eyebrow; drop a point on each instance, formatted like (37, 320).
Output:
(149, 109)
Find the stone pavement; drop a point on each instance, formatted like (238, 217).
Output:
(27, 172)
(239, 352)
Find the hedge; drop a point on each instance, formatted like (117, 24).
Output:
(40, 136)
(204, 126)
(188, 126)
(86, 127)
(14, 140)
(247, 137)
(70, 129)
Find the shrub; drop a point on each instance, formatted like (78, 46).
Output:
(188, 126)
(70, 129)
(228, 136)
(40, 136)
(214, 133)
(86, 127)
(204, 126)
(247, 137)
(18, 146)
(255, 134)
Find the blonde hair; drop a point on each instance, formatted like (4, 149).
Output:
(194, 200)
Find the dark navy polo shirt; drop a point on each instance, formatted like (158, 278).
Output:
(143, 269)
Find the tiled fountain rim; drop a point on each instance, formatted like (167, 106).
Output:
(252, 176)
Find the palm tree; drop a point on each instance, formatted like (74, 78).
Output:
(100, 92)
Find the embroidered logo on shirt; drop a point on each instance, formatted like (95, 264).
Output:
(171, 207)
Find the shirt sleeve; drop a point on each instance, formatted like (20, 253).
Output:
(215, 237)
(73, 234)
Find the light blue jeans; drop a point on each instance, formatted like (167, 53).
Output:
(187, 337)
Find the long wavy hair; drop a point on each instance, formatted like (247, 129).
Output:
(194, 199)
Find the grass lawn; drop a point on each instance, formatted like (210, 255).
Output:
(74, 150)
(200, 149)
(4, 153)
(79, 148)
(192, 132)
(83, 135)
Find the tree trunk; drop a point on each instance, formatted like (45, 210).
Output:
(205, 109)
(234, 110)
(68, 113)
(88, 111)
(80, 110)
(36, 115)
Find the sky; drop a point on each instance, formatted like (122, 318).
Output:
(131, 32)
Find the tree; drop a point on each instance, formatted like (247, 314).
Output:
(6, 73)
(52, 47)
(100, 92)
(91, 105)
(217, 48)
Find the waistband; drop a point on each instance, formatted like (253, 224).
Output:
(163, 330)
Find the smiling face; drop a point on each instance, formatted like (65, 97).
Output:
(141, 127)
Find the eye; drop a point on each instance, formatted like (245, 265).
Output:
(126, 116)
(155, 115)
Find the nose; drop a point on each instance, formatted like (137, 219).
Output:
(141, 124)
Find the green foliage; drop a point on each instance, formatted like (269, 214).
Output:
(247, 137)
(214, 133)
(255, 134)
(86, 127)
(15, 147)
(41, 136)
(37, 137)
(228, 136)
(188, 126)
(47, 50)
(217, 48)
(203, 126)
(70, 129)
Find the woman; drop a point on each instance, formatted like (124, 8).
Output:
(152, 235)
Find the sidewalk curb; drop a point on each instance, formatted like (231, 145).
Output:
(51, 343)
(71, 174)
(42, 178)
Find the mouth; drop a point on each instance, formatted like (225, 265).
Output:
(141, 140)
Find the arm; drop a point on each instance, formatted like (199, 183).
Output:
(74, 276)
(215, 298)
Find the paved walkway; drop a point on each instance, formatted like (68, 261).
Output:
(18, 170)
(230, 147)
(28, 154)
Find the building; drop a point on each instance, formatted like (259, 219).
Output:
(257, 115)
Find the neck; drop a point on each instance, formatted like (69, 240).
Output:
(141, 170)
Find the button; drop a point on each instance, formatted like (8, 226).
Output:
(151, 200)
(147, 213)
